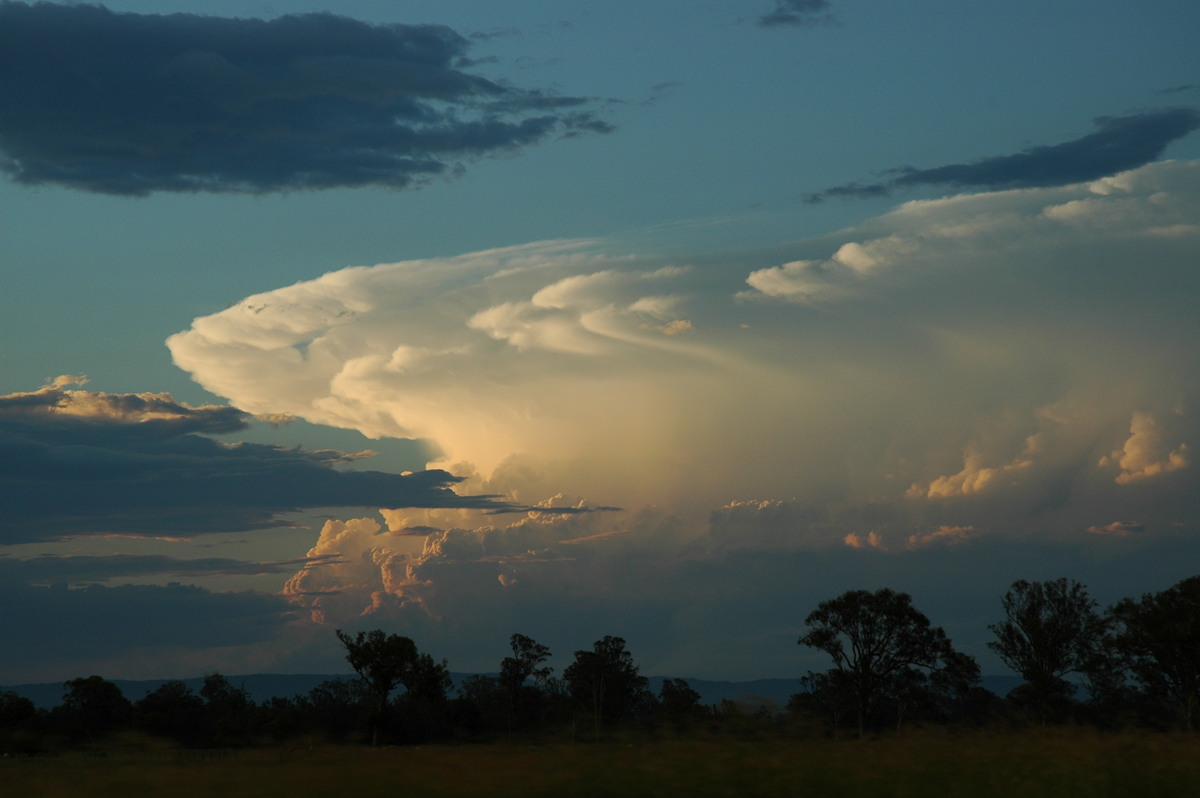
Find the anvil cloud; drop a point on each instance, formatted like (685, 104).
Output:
(952, 347)
(954, 373)
(638, 384)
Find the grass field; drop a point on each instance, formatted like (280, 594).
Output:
(1058, 763)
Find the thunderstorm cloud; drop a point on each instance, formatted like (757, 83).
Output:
(958, 386)
(922, 356)
(992, 385)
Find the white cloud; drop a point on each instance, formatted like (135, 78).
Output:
(974, 477)
(970, 231)
(798, 280)
(365, 564)
(1145, 453)
(972, 348)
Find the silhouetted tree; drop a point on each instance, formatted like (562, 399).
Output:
(605, 682)
(1051, 630)
(481, 706)
(883, 649)
(172, 711)
(1159, 638)
(830, 694)
(339, 707)
(18, 722)
(229, 709)
(384, 662)
(282, 718)
(522, 700)
(93, 707)
(679, 703)
(423, 705)
(525, 663)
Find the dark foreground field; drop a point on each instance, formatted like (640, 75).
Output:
(1055, 763)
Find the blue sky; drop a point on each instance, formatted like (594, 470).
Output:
(700, 313)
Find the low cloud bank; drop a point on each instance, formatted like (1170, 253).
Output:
(75, 462)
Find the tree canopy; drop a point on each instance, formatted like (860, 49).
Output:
(384, 662)
(1159, 637)
(94, 706)
(885, 652)
(890, 666)
(605, 682)
(526, 662)
(1051, 630)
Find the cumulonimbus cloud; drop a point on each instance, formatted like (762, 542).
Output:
(914, 393)
(125, 103)
(1009, 326)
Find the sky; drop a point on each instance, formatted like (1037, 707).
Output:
(660, 320)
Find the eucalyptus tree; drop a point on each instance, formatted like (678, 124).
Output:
(1051, 630)
(93, 707)
(884, 653)
(527, 663)
(679, 703)
(1159, 640)
(385, 662)
(606, 684)
(173, 711)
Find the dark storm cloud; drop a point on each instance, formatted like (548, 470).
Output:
(82, 569)
(1121, 143)
(157, 415)
(76, 463)
(50, 625)
(124, 103)
(797, 13)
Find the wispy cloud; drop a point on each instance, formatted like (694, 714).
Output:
(797, 14)
(1119, 529)
(1121, 143)
(125, 103)
(943, 535)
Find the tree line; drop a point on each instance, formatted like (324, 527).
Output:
(1134, 663)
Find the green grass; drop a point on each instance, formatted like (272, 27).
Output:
(1078, 763)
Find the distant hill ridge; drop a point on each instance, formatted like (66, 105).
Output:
(771, 694)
